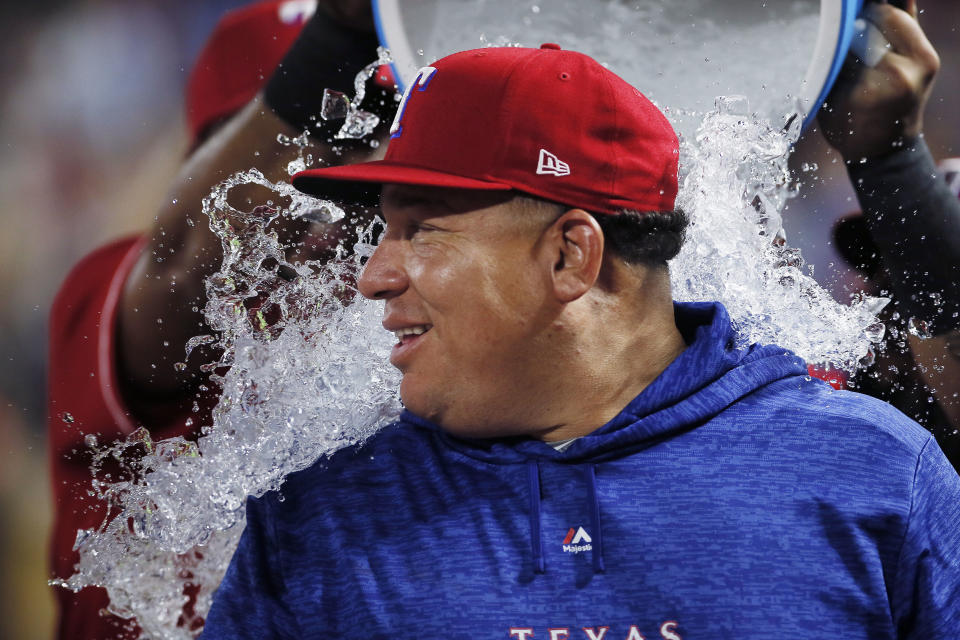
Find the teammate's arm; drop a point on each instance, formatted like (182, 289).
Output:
(158, 310)
(875, 119)
(161, 305)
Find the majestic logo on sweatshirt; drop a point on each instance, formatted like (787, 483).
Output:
(667, 631)
(577, 540)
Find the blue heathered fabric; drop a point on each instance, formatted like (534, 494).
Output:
(734, 498)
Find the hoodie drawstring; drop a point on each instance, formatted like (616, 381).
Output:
(598, 566)
(533, 484)
(536, 540)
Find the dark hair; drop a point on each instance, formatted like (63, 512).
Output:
(648, 238)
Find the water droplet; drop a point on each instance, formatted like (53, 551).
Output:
(735, 105)
(335, 105)
(67, 417)
(90, 440)
(919, 328)
(875, 332)
(874, 305)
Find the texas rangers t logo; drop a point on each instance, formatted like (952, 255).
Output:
(420, 82)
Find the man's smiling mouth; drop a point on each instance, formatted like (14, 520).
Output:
(407, 334)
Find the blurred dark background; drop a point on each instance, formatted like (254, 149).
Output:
(92, 131)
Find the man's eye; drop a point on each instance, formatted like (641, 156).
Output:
(420, 227)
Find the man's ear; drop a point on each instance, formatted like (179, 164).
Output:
(576, 249)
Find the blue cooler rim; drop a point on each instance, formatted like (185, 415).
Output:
(849, 14)
(382, 37)
(850, 11)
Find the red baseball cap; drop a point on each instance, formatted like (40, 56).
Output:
(547, 122)
(245, 47)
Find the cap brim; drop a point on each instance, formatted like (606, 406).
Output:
(360, 183)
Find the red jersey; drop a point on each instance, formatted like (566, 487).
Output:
(84, 398)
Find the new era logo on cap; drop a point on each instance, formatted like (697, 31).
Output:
(549, 164)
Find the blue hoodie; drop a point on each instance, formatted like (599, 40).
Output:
(735, 497)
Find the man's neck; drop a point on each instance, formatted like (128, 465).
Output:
(597, 393)
(618, 346)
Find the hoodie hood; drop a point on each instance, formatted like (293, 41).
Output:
(710, 374)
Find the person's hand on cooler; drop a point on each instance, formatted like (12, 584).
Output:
(873, 110)
(874, 118)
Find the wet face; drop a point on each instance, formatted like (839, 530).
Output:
(462, 276)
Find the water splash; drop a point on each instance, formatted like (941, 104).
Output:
(313, 378)
(357, 122)
(307, 373)
(301, 142)
(735, 185)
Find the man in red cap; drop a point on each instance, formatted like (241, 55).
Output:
(581, 457)
(125, 312)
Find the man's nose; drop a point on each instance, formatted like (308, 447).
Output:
(383, 277)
